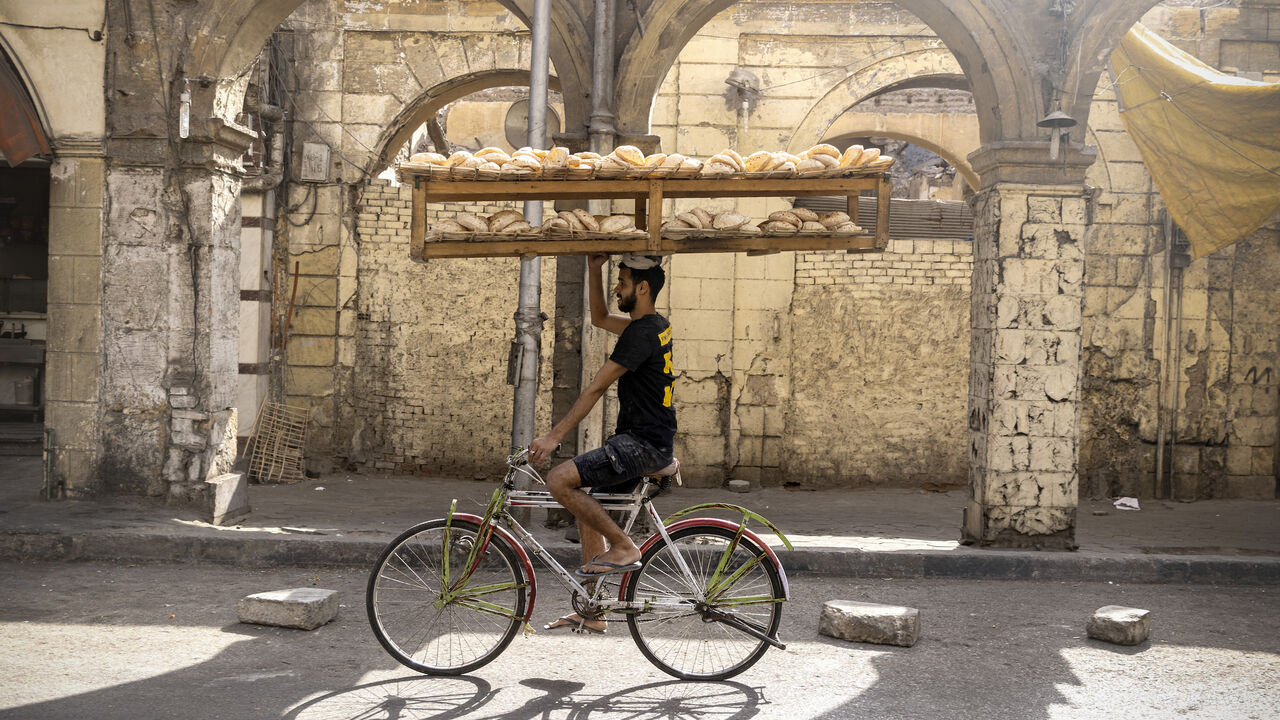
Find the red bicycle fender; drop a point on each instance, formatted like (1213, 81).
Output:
(520, 552)
(717, 522)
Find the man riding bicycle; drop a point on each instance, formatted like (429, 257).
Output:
(641, 363)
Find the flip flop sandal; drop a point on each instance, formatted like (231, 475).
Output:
(611, 568)
(568, 623)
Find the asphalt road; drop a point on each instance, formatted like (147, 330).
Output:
(162, 641)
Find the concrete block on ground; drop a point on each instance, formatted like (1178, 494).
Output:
(302, 608)
(870, 623)
(1119, 625)
(739, 486)
(228, 499)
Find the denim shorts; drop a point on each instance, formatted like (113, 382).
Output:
(619, 464)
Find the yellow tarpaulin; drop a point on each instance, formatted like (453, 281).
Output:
(1210, 141)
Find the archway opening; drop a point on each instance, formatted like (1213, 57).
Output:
(24, 266)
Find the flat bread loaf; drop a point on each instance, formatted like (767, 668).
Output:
(588, 220)
(428, 158)
(786, 216)
(867, 156)
(689, 219)
(729, 220)
(832, 219)
(500, 220)
(850, 156)
(757, 161)
(805, 214)
(630, 154)
(777, 227)
(617, 223)
(474, 223)
(821, 149)
(449, 226)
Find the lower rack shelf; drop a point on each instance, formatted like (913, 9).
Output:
(750, 244)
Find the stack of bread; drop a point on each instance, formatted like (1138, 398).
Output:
(786, 222)
(824, 158)
(629, 160)
(580, 221)
(729, 162)
(506, 222)
(523, 162)
(727, 222)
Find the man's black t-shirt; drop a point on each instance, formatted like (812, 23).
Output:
(644, 392)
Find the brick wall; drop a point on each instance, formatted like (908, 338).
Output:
(879, 367)
(430, 393)
(905, 262)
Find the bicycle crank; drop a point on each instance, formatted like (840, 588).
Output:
(710, 614)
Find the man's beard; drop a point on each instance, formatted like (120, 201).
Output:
(627, 303)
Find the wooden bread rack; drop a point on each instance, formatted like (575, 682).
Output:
(648, 193)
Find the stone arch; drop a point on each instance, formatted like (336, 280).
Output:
(233, 34)
(1096, 35)
(925, 134)
(982, 43)
(28, 87)
(400, 129)
(832, 115)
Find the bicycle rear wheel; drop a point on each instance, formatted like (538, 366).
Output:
(687, 638)
(409, 612)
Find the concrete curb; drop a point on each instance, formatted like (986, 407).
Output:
(310, 550)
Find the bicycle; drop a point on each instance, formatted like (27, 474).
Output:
(447, 596)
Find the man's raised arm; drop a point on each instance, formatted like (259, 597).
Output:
(600, 316)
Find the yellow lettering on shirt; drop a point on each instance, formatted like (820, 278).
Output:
(664, 337)
(668, 368)
(666, 397)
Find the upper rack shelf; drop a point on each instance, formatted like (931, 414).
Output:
(648, 192)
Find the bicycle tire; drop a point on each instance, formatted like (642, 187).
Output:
(685, 644)
(452, 639)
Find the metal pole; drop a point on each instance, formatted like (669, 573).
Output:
(601, 128)
(1161, 395)
(603, 138)
(529, 317)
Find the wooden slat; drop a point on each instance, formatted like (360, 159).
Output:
(523, 248)
(756, 245)
(882, 213)
(655, 205)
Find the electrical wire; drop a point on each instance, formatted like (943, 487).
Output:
(94, 35)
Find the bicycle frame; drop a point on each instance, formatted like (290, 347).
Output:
(498, 519)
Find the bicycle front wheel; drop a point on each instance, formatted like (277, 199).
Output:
(442, 621)
(683, 629)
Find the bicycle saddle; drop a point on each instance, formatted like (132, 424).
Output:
(669, 470)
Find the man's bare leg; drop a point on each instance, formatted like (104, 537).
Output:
(566, 488)
(593, 541)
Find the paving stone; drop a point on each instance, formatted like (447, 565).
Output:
(228, 499)
(870, 622)
(739, 486)
(1119, 625)
(302, 608)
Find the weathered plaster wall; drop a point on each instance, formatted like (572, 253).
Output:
(880, 358)
(356, 73)
(431, 392)
(1227, 390)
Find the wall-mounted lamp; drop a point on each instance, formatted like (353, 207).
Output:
(1059, 124)
(744, 90)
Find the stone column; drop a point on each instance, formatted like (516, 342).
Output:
(171, 312)
(1030, 221)
(1024, 385)
(74, 346)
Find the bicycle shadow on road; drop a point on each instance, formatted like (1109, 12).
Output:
(422, 698)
